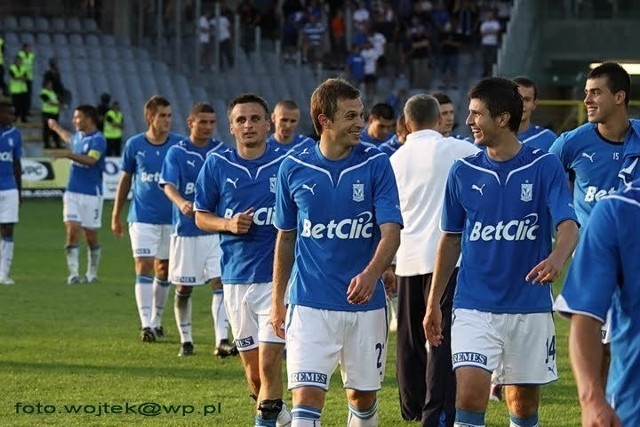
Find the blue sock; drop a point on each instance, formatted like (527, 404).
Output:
(469, 419)
(532, 421)
(306, 413)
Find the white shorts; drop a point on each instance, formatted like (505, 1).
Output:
(520, 348)
(9, 204)
(83, 208)
(249, 311)
(150, 240)
(319, 340)
(194, 260)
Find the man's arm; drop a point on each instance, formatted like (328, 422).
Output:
(362, 286)
(550, 268)
(64, 134)
(185, 206)
(84, 159)
(239, 224)
(17, 173)
(447, 255)
(282, 266)
(585, 352)
(124, 185)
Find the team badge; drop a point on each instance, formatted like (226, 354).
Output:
(358, 192)
(272, 184)
(526, 192)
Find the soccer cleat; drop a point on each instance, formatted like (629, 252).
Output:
(147, 335)
(186, 349)
(225, 349)
(496, 393)
(91, 279)
(7, 281)
(73, 280)
(159, 333)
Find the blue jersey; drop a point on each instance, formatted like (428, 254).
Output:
(630, 170)
(537, 137)
(365, 137)
(606, 272)
(180, 169)
(391, 146)
(337, 208)
(299, 142)
(229, 185)
(143, 160)
(86, 179)
(506, 212)
(10, 151)
(595, 163)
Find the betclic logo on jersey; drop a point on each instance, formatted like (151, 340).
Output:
(514, 230)
(261, 216)
(347, 229)
(35, 170)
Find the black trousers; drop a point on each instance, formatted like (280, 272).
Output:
(114, 146)
(426, 387)
(47, 134)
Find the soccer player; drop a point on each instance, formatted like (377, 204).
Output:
(595, 154)
(606, 268)
(149, 215)
(10, 186)
(504, 203)
(426, 382)
(379, 125)
(82, 200)
(394, 143)
(194, 255)
(235, 195)
(285, 118)
(528, 133)
(339, 221)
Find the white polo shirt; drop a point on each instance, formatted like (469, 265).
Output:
(421, 168)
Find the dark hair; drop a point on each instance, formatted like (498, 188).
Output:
(442, 98)
(154, 103)
(324, 99)
(422, 110)
(500, 96)
(289, 104)
(617, 78)
(249, 98)
(382, 111)
(527, 82)
(89, 111)
(201, 107)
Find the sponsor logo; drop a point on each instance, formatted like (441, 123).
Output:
(233, 182)
(593, 193)
(589, 156)
(184, 279)
(526, 192)
(6, 156)
(244, 342)
(350, 228)
(517, 229)
(467, 356)
(147, 177)
(358, 192)
(111, 167)
(308, 377)
(478, 189)
(310, 188)
(262, 216)
(36, 171)
(190, 188)
(143, 251)
(191, 163)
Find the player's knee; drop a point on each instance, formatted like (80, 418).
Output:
(269, 409)
(6, 231)
(361, 399)
(216, 283)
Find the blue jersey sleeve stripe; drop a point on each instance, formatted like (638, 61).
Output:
(623, 199)
(272, 162)
(218, 155)
(285, 229)
(359, 165)
(526, 166)
(481, 169)
(308, 165)
(562, 307)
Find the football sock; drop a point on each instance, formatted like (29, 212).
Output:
(469, 419)
(305, 416)
(144, 298)
(532, 421)
(73, 262)
(160, 295)
(220, 321)
(6, 256)
(93, 260)
(363, 417)
(182, 311)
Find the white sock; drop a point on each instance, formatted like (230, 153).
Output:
(363, 418)
(73, 263)
(182, 311)
(144, 298)
(93, 260)
(305, 416)
(220, 320)
(6, 256)
(160, 295)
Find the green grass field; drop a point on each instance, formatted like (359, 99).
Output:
(63, 347)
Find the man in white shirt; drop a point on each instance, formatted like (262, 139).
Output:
(421, 168)
(489, 33)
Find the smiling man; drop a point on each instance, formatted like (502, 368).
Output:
(505, 200)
